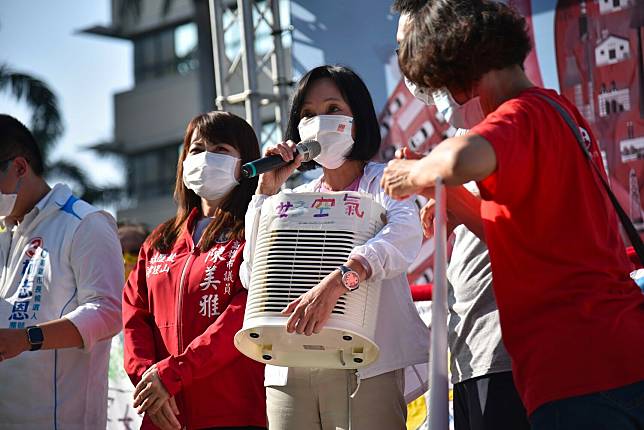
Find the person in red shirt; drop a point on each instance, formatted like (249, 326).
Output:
(571, 317)
(184, 302)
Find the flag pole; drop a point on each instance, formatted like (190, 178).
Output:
(438, 394)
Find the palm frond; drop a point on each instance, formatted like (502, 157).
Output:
(88, 191)
(46, 119)
(68, 170)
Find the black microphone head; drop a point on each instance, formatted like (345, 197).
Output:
(309, 149)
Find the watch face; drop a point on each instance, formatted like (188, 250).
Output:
(35, 335)
(350, 279)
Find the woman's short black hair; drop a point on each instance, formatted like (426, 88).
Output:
(453, 43)
(355, 93)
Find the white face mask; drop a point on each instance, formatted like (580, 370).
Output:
(465, 116)
(8, 201)
(334, 134)
(421, 93)
(210, 175)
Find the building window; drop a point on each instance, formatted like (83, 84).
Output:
(166, 52)
(612, 54)
(152, 173)
(185, 47)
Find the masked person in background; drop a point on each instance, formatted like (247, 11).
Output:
(60, 295)
(485, 397)
(333, 106)
(131, 236)
(570, 315)
(183, 302)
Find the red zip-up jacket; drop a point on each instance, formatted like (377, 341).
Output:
(181, 310)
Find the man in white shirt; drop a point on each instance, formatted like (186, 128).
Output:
(60, 295)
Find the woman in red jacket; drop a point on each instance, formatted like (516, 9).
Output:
(183, 302)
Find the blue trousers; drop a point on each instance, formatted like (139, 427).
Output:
(617, 409)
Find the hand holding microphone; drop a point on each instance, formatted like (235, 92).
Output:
(279, 163)
(308, 149)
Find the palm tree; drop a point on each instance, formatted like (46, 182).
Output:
(92, 193)
(47, 127)
(46, 120)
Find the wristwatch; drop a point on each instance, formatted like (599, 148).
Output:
(350, 278)
(35, 337)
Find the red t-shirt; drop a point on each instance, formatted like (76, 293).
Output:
(572, 319)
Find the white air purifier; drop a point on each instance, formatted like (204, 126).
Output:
(301, 238)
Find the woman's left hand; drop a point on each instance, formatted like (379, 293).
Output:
(166, 417)
(397, 180)
(150, 394)
(311, 310)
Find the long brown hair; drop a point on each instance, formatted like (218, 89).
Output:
(215, 127)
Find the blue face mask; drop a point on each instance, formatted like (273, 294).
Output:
(464, 116)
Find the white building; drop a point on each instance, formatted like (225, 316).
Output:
(150, 118)
(424, 133)
(396, 103)
(612, 49)
(610, 6)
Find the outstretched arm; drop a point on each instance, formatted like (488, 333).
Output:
(456, 160)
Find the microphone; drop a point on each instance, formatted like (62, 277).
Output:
(309, 149)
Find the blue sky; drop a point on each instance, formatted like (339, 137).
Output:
(41, 38)
(543, 22)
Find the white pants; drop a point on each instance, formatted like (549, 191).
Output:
(318, 399)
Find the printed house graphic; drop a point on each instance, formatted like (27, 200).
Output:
(613, 100)
(609, 6)
(612, 49)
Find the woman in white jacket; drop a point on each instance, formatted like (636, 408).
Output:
(332, 105)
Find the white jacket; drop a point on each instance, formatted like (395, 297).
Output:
(402, 336)
(63, 260)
